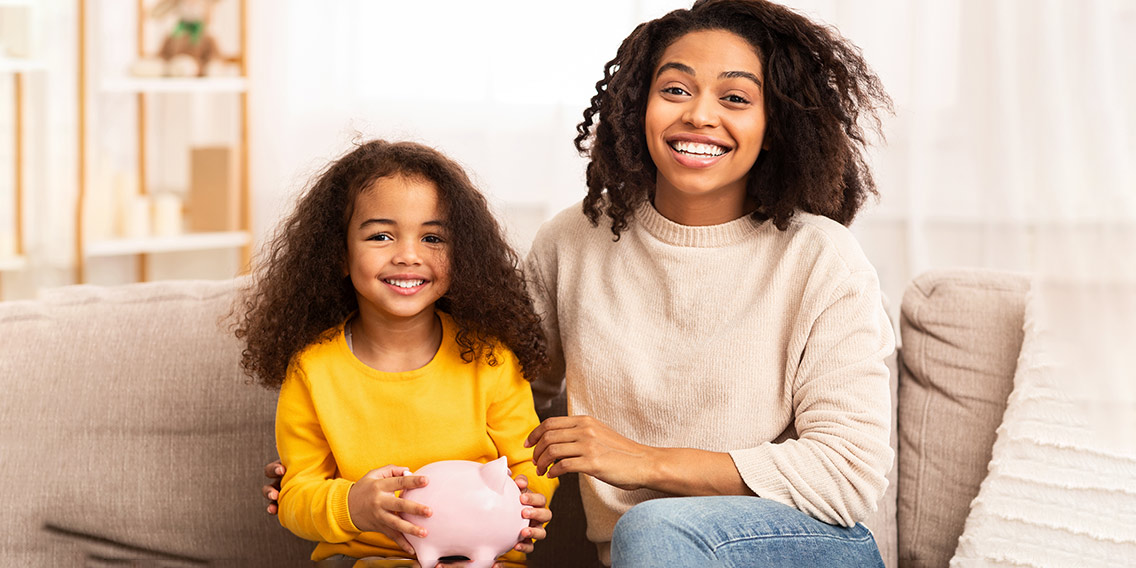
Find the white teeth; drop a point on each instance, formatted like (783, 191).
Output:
(698, 148)
(405, 283)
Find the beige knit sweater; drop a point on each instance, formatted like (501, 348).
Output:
(737, 338)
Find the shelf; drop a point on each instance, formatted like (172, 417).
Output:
(12, 263)
(175, 85)
(178, 243)
(20, 65)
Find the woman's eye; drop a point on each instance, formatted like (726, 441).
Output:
(673, 91)
(736, 99)
(432, 239)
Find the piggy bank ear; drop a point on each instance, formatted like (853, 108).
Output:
(495, 475)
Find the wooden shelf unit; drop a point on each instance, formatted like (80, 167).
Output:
(19, 67)
(143, 88)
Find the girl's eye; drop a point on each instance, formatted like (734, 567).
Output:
(736, 99)
(380, 237)
(674, 91)
(433, 239)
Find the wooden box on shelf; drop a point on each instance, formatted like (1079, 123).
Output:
(213, 202)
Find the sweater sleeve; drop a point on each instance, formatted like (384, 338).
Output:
(510, 420)
(313, 502)
(835, 469)
(540, 278)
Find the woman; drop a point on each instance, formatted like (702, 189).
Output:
(720, 331)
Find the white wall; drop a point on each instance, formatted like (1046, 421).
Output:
(499, 86)
(1013, 117)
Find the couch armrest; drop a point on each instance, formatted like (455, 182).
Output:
(961, 332)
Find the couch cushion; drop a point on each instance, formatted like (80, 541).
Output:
(130, 435)
(1062, 484)
(961, 333)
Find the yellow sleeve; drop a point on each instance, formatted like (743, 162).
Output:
(313, 502)
(511, 418)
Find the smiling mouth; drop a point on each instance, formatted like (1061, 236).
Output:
(698, 149)
(406, 284)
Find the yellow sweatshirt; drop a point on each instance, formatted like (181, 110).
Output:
(337, 419)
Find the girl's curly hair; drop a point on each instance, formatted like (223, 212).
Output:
(817, 87)
(299, 291)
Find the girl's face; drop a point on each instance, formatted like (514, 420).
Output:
(705, 124)
(398, 256)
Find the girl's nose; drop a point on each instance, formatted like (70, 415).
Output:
(701, 111)
(407, 253)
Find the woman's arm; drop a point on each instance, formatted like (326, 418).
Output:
(834, 470)
(271, 492)
(582, 444)
(540, 281)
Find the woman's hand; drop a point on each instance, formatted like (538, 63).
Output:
(536, 511)
(374, 507)
(271, 492)
(582, 444)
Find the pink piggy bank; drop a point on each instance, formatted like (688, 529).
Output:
(476, 512)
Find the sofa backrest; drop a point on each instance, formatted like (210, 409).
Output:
(961, 334)
(129, 434)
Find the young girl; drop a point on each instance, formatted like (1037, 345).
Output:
(390, 313)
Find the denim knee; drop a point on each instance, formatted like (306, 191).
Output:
(647, 518)
(657, 530)
(734, 531)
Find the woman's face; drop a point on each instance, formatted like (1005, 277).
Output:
(705, 125)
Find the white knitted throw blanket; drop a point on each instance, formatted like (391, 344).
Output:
(1061, 490)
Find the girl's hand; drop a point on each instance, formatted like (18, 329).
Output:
(374, 507)
(537, 512)
(582, 444)
(271, 492)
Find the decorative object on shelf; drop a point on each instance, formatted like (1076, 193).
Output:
(214, 200)
(7, 245)
(167, 207)
(137, 217)
(188, 49)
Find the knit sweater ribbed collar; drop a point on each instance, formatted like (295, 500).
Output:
(707, 236)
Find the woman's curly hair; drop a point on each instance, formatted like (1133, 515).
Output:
(817, 88)
(299, 290)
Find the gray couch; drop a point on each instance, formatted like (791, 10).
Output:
(128, 435)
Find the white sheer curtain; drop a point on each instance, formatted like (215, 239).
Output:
(1014, 128)
(1014, 118)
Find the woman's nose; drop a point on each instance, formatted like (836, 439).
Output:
(701, 111)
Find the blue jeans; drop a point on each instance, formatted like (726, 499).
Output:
(735, 531)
